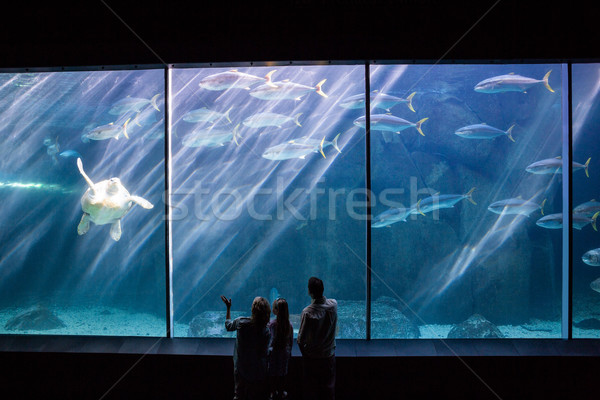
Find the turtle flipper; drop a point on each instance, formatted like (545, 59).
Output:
(84, 224)
(115, 230)
(87, 179)
(141, 202)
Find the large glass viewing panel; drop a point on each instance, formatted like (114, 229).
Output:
(268, 190)
(466, 236)
(586, 200)
(82, 253)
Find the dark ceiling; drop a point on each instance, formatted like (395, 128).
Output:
(111, 32)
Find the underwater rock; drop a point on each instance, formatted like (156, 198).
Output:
(588, 323)
(38, 319)
(211, 324)
(476, 327)
(386, 321)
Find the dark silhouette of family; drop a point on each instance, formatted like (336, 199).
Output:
(263, 348)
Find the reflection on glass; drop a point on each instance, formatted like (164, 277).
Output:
(586, 252)
(268, 190)
(81, 245)
(462, 169)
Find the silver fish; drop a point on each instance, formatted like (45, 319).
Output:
(206, 115)
(265, 119)
(510, 83)
(588, 208)
(554, 166)
(595, 285)
(299, 148)
(592, 258)
(378, 100)
(70, 153)
(555, 221)
(285, 90)
(516, 206)
(483, 131)
(385, 122)
(391, 216)
(105, 132)
(233, 79)
(132, 104)
(211, 137)
(438, 201)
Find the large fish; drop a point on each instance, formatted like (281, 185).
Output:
(378, 100)
(211, 137)
(555, 221)
(595, 285)
(588, 208)
(516, 206)
(483, 131)
(510, 83)
(285, 90)
(206, 115)
(391, 216)
(554, 166)
(299, 148)
(592, 257)
(105, 132)
(265, 119)
(385, 122)
(438, 201)
(132, 104)
(233, 79)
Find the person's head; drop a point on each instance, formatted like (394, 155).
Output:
(280, 308)
(315, 287)
(261, 310)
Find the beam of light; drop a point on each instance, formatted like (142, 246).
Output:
(36, 186)
(587, 96)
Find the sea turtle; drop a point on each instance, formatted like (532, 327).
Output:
(106, 202)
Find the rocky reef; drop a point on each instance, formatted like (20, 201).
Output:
(38, 318)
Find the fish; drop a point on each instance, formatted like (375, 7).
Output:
(233, 79)
(211, 137)
(588, 208)
(554, 166)
(70, 153)
(592, 257)
(511, 83)
(262, 120)
(299, 148)
(483, 131)
(516, 206)
(555, 221)
(133, 104)
(378, 100)
(206, 115)
(286, 90)
(391, 216)
(595, 285)
(385, 122)
(107, 131)
(438, 201)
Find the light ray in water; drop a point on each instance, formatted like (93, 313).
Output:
(36, 186)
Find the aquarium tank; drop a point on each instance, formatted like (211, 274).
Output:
(270, 171)
(586, 243)
(268, 190)
(81, 187)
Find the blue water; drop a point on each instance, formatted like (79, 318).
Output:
(245, 225)
(43, 260)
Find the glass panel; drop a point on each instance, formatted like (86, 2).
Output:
(267, 171)
(109, 279)
(586, 254)
(456, 249)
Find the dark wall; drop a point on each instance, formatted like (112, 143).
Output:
(110, 32)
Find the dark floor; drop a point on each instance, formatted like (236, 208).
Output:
(93, 376)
